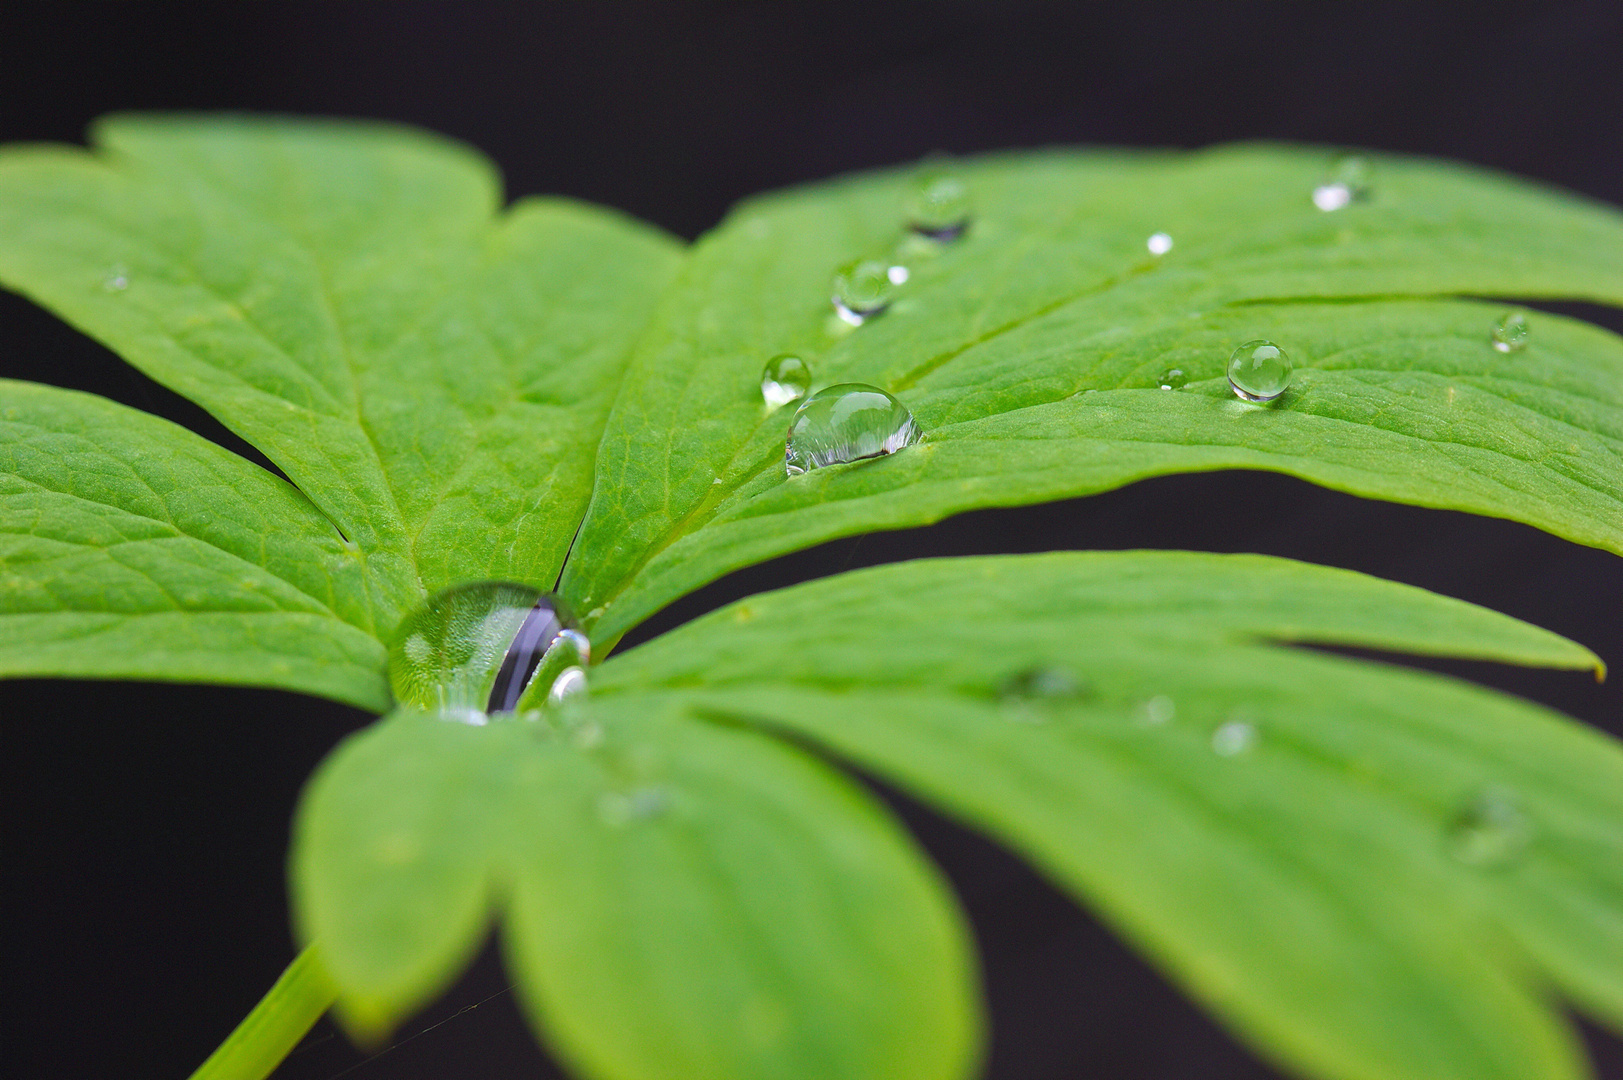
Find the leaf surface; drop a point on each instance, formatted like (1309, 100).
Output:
(997, 340)
(131, 548)
(1280, 829)
(346, 297)
(677, 899)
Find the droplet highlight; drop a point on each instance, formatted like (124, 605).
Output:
(1490, 829)
(1349, 181)
(1259, 371)
(845, 423)
(1510, 333)
(1233, 738)
(570, 681)
(1159, 243)
(476, 647)
(939, 207)
(862, 289)
(785, 378)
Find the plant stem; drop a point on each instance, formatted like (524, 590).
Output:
(283, 1016)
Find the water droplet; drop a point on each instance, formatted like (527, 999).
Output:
(862, 289)
(1042, 683)
(1172, 379)
(1510, 332)
(1349, 181)
(938, 207)
(622, 808)
(477, 646)
(1234, 738)
(1159, 710)
(117, 279)
(1259, 370)
(570, 681)
(846, 423)
(1490, 829)
(785, 378)
(1159, 243)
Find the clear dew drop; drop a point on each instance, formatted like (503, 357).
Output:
(1259, 371)
(570, 681)
(474, 648)
(117, 279)
(863, 289)
(1510, 333)
(785, 378)
(1042, 683)
(845, 423)
(1159, 243)
(938, 206)
(620, 809)
(1172, 379)
(1233, 738)
(1157, 711)
(1349, 181)
(1490, 829)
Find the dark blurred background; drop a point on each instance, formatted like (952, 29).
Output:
(146, 825)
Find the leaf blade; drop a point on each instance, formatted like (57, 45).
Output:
(131, 548)
(1297, 882)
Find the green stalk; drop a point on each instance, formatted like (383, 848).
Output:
(283, 1016)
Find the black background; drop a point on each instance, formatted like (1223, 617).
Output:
(146, 825)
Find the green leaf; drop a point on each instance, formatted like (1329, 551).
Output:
(678, 899)
(1277, 827)
(997, 340)
(346, 298)
(131, 548)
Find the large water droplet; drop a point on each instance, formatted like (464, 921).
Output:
(1510, 332)
(1349, 181)
(1172, 379)
(939, 206)
(863, 289)
(846, 423)
(1159, 243)
(1234, 738)
(1490, 829)
(477, 646)
(1259, 370)
(785, 378)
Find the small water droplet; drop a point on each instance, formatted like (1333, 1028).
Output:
(570, 681)
(938, 207)
(1172, 379)
(1234, 738)
(1349, 182)
(622, 808)
(1490, 829)
(898, 274)
(1159, 243)
(785, 378)
(1259, 371)
(1159, 710)
(1044, 682)
(477, 646)
(845, 423)
(117, 279)
(862, 289)
(1510, 332)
